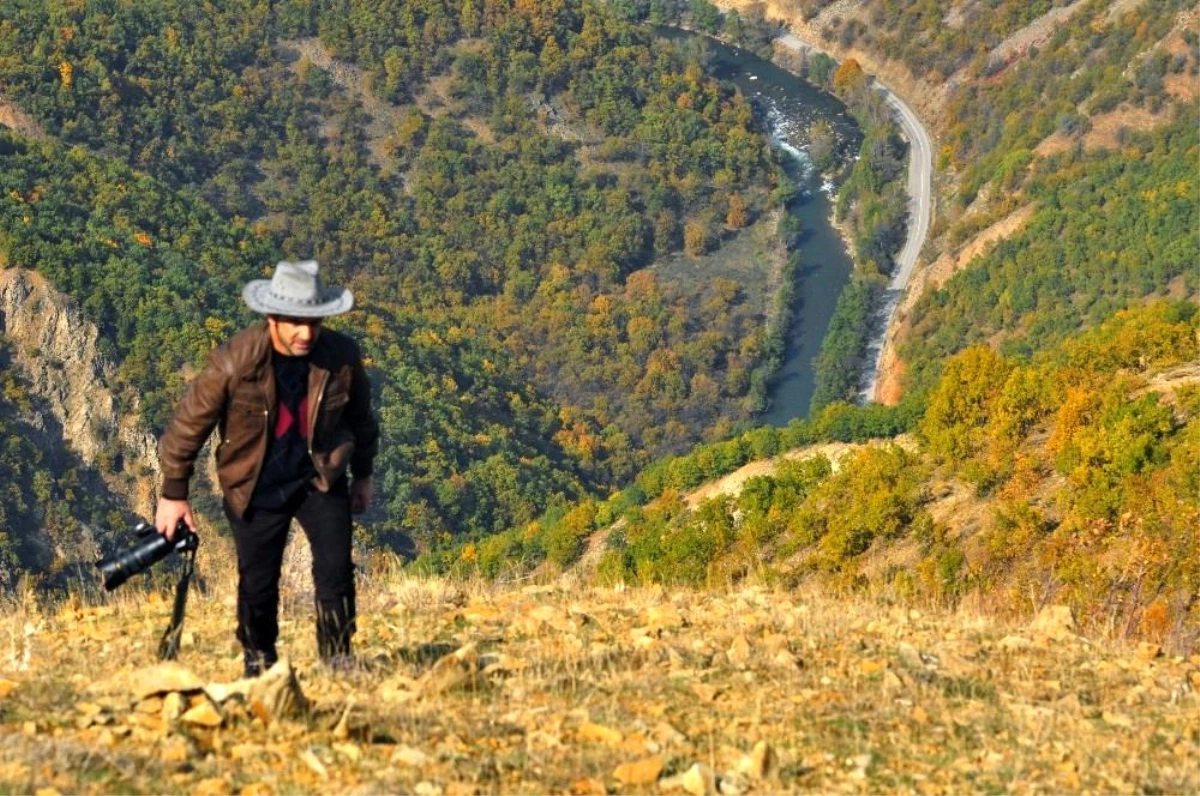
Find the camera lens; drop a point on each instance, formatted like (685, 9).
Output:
(121, 567)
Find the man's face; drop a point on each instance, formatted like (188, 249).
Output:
(293, 337)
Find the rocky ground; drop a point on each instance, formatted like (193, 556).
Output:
(472, 688)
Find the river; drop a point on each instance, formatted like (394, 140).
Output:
(790, 106)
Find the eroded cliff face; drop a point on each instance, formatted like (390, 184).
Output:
(55, 348)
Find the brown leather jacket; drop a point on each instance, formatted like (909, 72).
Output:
(235, 393)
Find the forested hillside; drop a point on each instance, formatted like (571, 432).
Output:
(1108, 229)
(1050, 383)
(1069, 478)
(489, 178)
(1081, 115)
(494, 179)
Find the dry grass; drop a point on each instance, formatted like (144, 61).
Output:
(851, 697)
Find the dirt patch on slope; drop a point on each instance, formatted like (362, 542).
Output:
(888, 389)
(1109, 129)
(733, 483)
(949, 264)
(1120, 7)
(1169, 382)
(1034, 34)
(351, 79)
(16, 119)
(1053, 144)
(1183, 86)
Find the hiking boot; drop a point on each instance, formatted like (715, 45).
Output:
(256, 662)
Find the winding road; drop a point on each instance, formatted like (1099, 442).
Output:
(920, 211)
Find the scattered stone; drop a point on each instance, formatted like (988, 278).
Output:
(457, 671)
(173, 707)
(202, 714)
(639, 772)
(706, 692)
(276, 693)
(152, 706)
(665, 617)
(1054, 622)
(424, 788)
(588, 786)
(163, 678)
(174, 750)
(760, 763)
(598, 733)
(257, 789)
(462, 789)
(739, 651)
(214, 786)
(349, 751)
(1148, 651)
(699, 780)
(408, 756)
(153, 724)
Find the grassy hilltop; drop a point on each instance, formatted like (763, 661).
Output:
(469, 687)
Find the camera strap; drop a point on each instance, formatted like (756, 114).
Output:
(168, 647)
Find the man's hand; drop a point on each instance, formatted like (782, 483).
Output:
(360, 495)
(168, 515)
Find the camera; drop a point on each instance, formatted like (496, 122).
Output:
(151, 548)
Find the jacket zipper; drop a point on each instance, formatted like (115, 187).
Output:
(313, 408)
(265, 436)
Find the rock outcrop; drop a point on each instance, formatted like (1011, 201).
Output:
(18, 120)
(56, 349)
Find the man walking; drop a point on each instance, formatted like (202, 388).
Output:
(296, 440)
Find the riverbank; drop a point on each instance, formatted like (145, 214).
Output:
(817, 253)
(881, 381)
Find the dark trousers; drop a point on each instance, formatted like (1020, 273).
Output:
(260, 538)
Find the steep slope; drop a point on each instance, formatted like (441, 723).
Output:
(1072, 478)
(1015, 94)
(55, 348)
(554, 688)
(76, 468)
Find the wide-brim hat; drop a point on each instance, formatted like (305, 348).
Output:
(295, 290)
